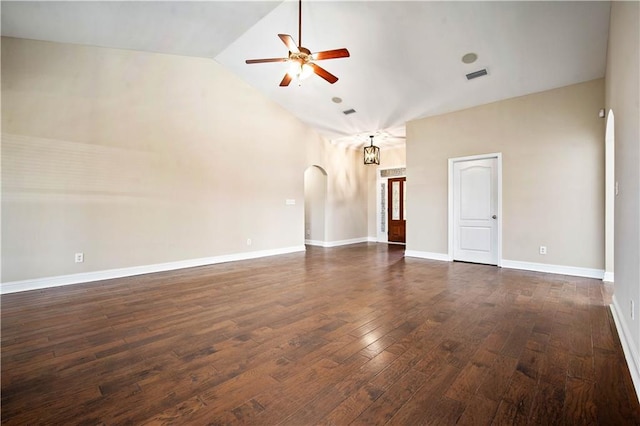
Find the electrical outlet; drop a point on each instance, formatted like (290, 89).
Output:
(633, 310)
(249, 241)
(79, 257)
(543, 249)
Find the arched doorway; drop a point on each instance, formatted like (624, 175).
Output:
(315, 199)
(609, 196)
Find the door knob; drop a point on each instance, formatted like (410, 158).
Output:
(494, 217)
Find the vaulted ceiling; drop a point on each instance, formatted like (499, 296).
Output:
(406, 57)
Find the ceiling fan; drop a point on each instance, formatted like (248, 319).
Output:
(301, 59)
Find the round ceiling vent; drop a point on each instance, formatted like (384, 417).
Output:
(469, 58)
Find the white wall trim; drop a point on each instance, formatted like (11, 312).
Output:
(608, 277)
(427, 255)
(340, 242)
(346, 242)
(62, 280)
(554, 269)
(525, 266)
(630, 351)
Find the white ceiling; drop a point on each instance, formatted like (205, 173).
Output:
(405, 56)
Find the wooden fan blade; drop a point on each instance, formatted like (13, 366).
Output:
(323, 73)
(331, 54)
(260, 61)
(286, 80)
(288, 41)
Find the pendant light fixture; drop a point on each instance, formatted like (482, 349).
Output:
(371, 153)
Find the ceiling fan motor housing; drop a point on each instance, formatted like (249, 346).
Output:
(304, 55)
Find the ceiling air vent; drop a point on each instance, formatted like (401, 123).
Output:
(349, 111)
(476, 74)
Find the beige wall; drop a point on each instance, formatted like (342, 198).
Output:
(138, 158)
(623, 97)
(552, 146)
(346, 209)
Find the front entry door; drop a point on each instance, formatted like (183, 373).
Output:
(397, 218)
(475, 209)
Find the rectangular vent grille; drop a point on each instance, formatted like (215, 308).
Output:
(349, 111)
(476, 74)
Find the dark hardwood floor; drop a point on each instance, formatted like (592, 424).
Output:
(349, 335)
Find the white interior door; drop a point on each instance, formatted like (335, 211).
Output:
(475, 211)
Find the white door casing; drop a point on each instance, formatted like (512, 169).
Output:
(475, 209)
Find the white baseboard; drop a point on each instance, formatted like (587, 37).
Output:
(61, 280)
(340, 242)
(553, 269)
(346, 242)
(427, 255)
(630, 350)
(608, 277)
(526, 266)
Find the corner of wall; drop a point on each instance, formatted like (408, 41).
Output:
(630, 352)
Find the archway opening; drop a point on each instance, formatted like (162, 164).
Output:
(315, 200)
(609, 196)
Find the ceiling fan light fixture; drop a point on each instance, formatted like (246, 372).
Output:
(299, 70)
(371, 153)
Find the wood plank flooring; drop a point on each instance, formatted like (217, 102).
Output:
(349, 335)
